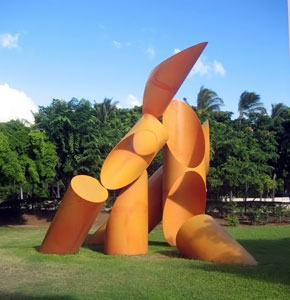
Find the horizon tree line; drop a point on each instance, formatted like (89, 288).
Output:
(250, 155)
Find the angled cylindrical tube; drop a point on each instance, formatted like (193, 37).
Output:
(155, 201)
(80, 205)
(155, 208)
(201, 237)
(127, 226)
(134, 153)
(185, 135)
(165, 80)
(98, 238)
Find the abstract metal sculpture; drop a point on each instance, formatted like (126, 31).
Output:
(175, 193)
(80, 206)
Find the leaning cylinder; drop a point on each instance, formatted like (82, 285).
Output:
(128, 160)
(80, 206)
(202, 238)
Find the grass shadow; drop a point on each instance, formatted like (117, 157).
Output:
(20, 296)
(273, 257)
(37, 248)
(160, 244)
(170, 253)
(95, 248)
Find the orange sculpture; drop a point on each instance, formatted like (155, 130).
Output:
(155, 208)
(165, 80)
(127, 226)
(134, 153)
(184, 168)
(175, 193)
(98, 238)
(155, 203)
(80, 205)
(201, 237)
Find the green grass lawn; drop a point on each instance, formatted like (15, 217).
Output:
(161, 274)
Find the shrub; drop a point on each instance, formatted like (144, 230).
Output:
(232, 220)
(258, 215)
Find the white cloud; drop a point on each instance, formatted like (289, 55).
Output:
(9, 41)
(15, 104)
(219, 68)
(117, 44)
(176, 50)
(150, 51)
(204, 67)
(133, 101)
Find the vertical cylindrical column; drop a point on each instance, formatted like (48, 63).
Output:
(127, 226)
(184, 173)
(155, 208)
(80, 205)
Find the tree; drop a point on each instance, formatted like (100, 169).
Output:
(84, 134)
(277, 110)
(74, 130)
(208, 101)
(281, 130)
(42, 152)
(11, 172)
(242, 161)
(105, 109)
(250, 103)
(35, 156)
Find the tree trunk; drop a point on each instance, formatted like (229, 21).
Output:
(57, 190)
(21, 192)
(273, 191)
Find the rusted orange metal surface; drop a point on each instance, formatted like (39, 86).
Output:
(155, 201)
(98, 238)
(80, 206)
(127, 226)
(175, 193)
(184, 182)
(165, 80)
(201, 237)
(134, 153)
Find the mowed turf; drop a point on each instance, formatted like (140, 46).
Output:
(161, 274)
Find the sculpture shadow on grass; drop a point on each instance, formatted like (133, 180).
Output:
(25, 296)
(273, 257)
(158, 243)
(96, 248)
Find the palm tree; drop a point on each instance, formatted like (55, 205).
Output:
(208, 100)
(105, 109)
(277, 109)
(250, 103)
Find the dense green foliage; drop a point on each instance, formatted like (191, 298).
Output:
(27, 161)
(160, 274)
(250, 156)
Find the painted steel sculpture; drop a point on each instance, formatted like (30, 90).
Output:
(175, 194)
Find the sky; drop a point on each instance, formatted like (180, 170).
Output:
(94, 49)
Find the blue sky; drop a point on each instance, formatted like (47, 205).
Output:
(97, 49)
